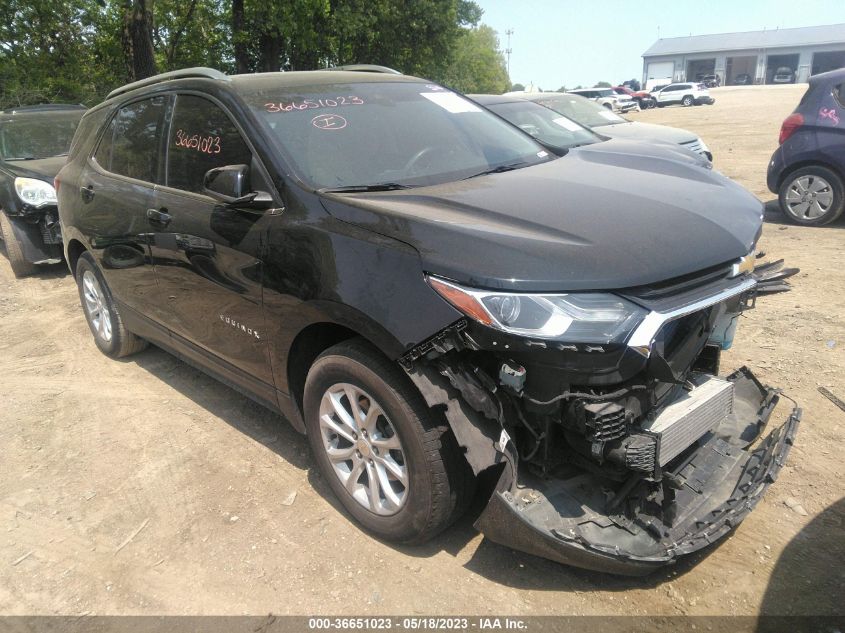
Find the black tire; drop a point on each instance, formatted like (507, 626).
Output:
(813, 172)
(440, 483)
(687, 100)
(20, 265)
(121, 342)
(608, 106)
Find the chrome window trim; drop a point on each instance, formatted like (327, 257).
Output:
(644, 334)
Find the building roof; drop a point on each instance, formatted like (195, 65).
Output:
(778, 38)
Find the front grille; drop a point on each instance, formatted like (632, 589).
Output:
(691, 415)
(51, 234)
(697, 146)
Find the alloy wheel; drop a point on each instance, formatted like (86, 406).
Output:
(95, 307)
(809, 197)
(364, 449)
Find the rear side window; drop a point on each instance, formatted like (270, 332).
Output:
(130, 145)
(202, 137)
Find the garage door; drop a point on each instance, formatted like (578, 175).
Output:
(659, 73)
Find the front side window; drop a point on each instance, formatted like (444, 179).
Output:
(130, 145)
(397, 132)
(202, 137)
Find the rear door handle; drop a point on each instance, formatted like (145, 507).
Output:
(87, 193)
(159, 216)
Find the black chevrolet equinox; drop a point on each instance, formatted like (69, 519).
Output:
(428, 294)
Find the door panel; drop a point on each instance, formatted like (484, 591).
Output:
(117, 186)
(207, 257)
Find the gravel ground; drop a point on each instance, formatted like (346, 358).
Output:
(144, 487)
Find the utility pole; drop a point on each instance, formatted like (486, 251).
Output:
(509, 50)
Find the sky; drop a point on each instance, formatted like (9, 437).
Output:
(565, 43)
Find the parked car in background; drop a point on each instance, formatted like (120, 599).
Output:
(711, 81)
(743, 79)
(560, 134)
(34, 142)
(685, 94)
(554, 131)
(783, 75)
(455, 301)
(607, 98)
(597, 118)
(642, 97)
(807, 170)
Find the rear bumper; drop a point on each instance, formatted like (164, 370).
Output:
(717, 484)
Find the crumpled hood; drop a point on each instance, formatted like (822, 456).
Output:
(611, 215)
(636, 130)
(42, 168)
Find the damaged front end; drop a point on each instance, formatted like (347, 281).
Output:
(618, 454)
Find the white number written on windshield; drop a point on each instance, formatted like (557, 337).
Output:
(310, 104)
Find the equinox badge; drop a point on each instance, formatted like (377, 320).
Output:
(239, 326)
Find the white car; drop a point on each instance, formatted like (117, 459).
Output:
(686, 94)
(608, 98)
(783, 75)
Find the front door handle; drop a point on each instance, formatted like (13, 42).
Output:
(159, 216)
(87, 193)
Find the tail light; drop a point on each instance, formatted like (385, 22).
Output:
(789, 126)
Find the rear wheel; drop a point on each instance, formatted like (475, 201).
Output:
(687, 100)
(101, 312)
(20, 265)
(812, 196)
(392, 462)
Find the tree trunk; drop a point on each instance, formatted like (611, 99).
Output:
(271, 53)
(241, 54)
(138, 38)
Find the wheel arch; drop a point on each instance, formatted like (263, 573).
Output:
(809, 162)
(74, 250)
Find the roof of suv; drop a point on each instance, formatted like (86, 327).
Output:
(42, 107)
(286, 79)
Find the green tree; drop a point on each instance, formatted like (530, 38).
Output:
(602, 84)
(478, 65)
(517, 88)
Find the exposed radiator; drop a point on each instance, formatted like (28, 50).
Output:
(692, 415)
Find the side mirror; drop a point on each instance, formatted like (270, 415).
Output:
(226, 183)
(229, 183)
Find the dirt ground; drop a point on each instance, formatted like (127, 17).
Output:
(145, 487)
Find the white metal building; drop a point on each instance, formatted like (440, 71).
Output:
(751, 57)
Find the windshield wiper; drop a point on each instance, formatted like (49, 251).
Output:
(382, 186)
(500, 169)
(21, 158)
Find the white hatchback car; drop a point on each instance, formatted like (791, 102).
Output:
(686, 94)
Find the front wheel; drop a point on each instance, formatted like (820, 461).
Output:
(21, 266)
(101, 312)
(392, 462)
(812, 196)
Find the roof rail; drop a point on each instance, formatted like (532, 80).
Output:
(365, 68)
(185, 73)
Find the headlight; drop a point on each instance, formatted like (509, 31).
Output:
(583, 317)
(35, 192)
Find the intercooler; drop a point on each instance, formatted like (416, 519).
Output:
(689, 417)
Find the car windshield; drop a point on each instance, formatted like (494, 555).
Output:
(28, 137)
(387, 134)
(587, 113)
(547, 126)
